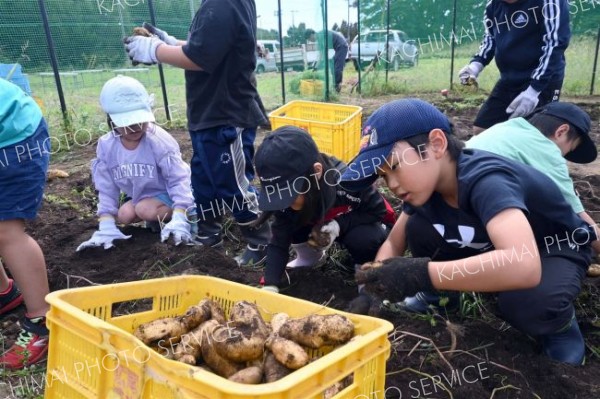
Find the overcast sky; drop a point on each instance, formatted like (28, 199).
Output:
(307, 11)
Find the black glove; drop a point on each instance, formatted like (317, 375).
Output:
(364, 304)
(395, 278)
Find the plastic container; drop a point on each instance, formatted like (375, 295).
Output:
(334, 127)
(311, 87)
(93, 353)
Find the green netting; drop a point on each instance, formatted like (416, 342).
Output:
(87, 44)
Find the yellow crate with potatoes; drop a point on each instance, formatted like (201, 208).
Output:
(93, 353)
(334, 127)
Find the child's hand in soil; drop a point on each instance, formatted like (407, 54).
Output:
(395, 278)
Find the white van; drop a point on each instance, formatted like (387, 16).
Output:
(272, 46)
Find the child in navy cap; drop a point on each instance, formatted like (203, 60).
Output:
(300, 186)
(473, 221)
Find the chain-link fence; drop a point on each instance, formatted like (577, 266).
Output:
(67, 49)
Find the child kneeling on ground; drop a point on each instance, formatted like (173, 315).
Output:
(142, 161)
(24, 157)
(473, 221)
(300, 185)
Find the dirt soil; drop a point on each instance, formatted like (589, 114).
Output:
(490, 359)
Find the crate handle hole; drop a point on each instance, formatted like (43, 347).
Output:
(132, 306)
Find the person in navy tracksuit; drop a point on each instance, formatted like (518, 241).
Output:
(528, 39)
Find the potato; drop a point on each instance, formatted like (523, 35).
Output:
(273, 369)
(238, 342)
(287, 352)
(56, 173)
(139, 31)
(222, 366)
(244, 312)
(315, 331)
(594, 270)
(169, 328)
(278, 320)
(216, 312)
(250, 375)
(191, 344)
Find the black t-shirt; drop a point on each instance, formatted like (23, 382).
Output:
(489, 184)
(222, 41)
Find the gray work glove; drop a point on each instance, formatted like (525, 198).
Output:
(142, 49)
(179, 227)
(524, 103)
(162, 35)
(106, 234)
(470, 72)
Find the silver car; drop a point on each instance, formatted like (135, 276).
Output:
(401, 50)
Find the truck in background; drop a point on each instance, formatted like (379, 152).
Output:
(294, 58)
(401, 50)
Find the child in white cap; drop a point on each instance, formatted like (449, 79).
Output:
(142, 161)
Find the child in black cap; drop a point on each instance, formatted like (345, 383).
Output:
(473, 221)
(554, 134)
(300, 185)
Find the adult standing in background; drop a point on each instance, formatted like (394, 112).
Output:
(340, 48)
(219, 58)
(528, 39)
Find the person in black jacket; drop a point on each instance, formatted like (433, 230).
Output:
(300, 186)
(528, 39)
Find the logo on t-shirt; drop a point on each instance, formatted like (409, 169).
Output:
(466, 233)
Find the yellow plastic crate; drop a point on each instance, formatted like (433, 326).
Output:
(93, 353)
(311, 87)
(334, 127)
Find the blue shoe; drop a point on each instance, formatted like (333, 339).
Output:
(425, 302)
(566, 346)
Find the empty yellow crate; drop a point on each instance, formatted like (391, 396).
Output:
(311, 87)
(93, 353)
(334, 127)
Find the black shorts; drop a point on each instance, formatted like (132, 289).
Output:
(493, 109)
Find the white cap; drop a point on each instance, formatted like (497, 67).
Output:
(126, 101)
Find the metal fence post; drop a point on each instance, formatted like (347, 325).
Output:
(595, 63)
(453, 45)
(54, 62)
(326, 30)
(387, 43)
(281, 51)
(358, 46)
(160, 68)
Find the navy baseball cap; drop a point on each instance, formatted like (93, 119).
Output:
(392, 122)
(586, 151)
(281, 162)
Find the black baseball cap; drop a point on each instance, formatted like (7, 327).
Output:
(586, 151)
(281, 162)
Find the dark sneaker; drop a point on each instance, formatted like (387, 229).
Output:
(424, 302)
(31, 345)
(11, 298)
(566, 346)
(213, 240)
(253, 255)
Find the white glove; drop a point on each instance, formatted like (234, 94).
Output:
(179, 227)
(332, 230)
(106, 234)
(524, 104)
(470, 71)
(143, 49)
(162, 35)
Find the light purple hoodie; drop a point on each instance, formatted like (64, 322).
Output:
(154, 167)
